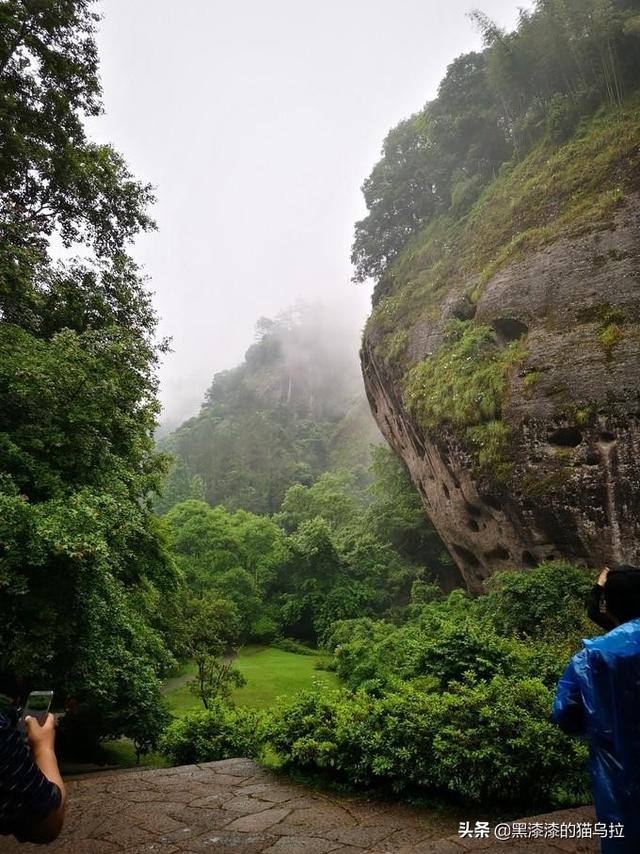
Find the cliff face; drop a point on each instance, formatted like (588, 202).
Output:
(570, 483)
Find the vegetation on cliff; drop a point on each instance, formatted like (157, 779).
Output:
(566, 59)
(534, 139)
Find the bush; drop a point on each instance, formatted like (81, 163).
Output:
(291, 645)
(222, 732)
(263, 629)
(484, 743)
(548, 600)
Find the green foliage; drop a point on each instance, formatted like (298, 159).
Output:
(454, 702)
(554, 190)
(394, 215)
(491, 442)
(340, 548)
(216, 680)
(463, 386)
(291, 645)
(610, 336)
(178, 486)
(232, 556)
(52, 179)
(487, 743)
(221, 732)
(547, 601)
(83, 563)
(464, 382)
(336, 497)
(565, 59)
(396, 516)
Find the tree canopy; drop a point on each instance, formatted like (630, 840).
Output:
(564, 60)
(85, 575)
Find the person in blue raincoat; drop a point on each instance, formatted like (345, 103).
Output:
(598, 697)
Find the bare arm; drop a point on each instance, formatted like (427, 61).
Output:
(41, 741)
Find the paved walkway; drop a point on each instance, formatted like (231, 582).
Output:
(236, 806)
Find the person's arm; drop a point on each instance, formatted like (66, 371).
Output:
(41, 740)
(568, 708)
(594, 605)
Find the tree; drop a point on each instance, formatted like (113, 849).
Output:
(565, 59)
(51, 177)
(80, 553)
(400, 195)
(212, 626)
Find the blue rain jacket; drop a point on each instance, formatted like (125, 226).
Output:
(599, 697)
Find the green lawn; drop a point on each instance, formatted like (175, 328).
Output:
(270, 673)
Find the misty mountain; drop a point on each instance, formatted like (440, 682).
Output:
(293, 409)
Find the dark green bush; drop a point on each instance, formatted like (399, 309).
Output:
(222, 732)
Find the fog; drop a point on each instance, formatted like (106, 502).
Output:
(257, 122)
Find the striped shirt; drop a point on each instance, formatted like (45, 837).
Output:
(26, 796)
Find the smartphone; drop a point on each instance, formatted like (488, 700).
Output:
(38, 705)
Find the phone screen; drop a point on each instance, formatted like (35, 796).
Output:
(38, 705)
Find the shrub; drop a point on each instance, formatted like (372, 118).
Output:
(548, 600)
(496, 743)
(486, 743)
(291, 645)
(460, 649)
(221, 732)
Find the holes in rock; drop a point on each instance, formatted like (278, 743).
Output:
(472, 510)
(467, 556)
(509, 329)
(445, 489)
(529, 560)
(473, 525)
(607, 438)
(463, 309)
(493, 502)
(499, 553)
(565, 437)
(592, 458)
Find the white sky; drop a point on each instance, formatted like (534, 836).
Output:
(257, 121)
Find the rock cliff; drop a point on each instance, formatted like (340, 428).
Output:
(562, 478)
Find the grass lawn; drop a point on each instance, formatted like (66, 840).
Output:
(270, 673)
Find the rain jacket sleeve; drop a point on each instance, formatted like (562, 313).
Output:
(568, 707)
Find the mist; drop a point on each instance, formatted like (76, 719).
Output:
(257, 123)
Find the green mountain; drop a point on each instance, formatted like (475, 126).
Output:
(292, 410)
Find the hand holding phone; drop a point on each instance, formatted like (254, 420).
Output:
(37, 707)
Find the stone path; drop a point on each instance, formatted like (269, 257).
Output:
(236, 806)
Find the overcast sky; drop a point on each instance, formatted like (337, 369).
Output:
(257, 121)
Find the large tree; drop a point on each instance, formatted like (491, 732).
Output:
(84, 573)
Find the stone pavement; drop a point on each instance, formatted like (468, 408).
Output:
(236, 806)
